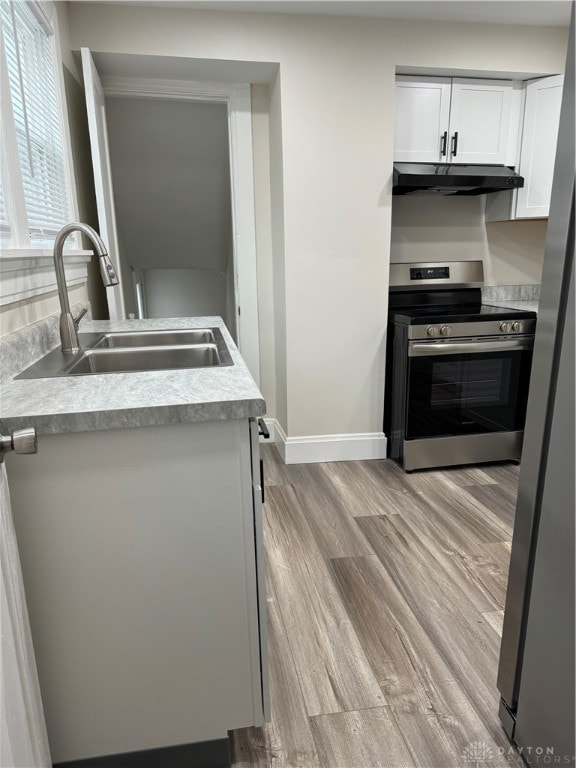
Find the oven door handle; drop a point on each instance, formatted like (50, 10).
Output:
(433, 348)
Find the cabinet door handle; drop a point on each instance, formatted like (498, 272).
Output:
(443, 143)
(262, 478)
(263, 429)
(454, 149)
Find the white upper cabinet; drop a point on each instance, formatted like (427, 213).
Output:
(536, 154)
(480, 120)
(538, 151)
(453, 120)
(422, 115)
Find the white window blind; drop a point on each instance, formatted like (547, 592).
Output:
(31, 72)
(5, 228)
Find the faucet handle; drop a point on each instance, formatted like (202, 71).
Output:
(79, 316)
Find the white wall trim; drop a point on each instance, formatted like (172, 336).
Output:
(312, 449)
(195, 90)
(103, 186)
(238, 99)
(280, 439)
(25, 274)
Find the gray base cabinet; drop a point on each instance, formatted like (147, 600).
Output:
(141, 551)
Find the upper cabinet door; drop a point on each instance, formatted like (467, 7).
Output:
(480, 121)
(422, 115)
(541, 121)
(103, 177)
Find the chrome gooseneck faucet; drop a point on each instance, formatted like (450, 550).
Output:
(68, 323)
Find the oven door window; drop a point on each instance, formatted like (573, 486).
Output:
(467, 393)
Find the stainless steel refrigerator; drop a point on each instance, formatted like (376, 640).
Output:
(536, 671)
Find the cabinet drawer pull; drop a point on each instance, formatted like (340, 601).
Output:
(444, 143)
(454, 149)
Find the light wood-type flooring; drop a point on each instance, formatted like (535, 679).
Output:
(385, 601)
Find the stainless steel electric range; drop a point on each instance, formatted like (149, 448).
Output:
(458, 371)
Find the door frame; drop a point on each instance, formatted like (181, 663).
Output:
(103, 185)
(238, 100)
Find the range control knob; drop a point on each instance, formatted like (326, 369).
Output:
(505, 327)
(446, 330)
(433, 330)
(516, 327)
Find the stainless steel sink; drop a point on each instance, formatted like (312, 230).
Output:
(157, 338)
(124, 360)
(133, 351)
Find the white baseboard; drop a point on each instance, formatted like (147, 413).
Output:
(319, 448)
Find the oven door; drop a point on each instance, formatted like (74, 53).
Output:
(467, 386)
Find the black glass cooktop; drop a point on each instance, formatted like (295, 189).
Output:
(409, 307)
(462, 314)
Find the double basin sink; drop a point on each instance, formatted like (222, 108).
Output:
(132, 351)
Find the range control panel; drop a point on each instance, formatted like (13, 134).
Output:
(429, 273)
(474, 329)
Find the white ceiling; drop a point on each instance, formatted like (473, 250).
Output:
(531, 12)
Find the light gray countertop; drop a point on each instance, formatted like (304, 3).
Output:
(121, 400)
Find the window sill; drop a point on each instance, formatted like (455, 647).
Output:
(29, 272)
(11, 254)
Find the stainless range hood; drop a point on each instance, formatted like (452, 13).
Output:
(452, 179)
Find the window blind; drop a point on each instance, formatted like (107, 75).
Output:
(5, 228)
(31, 72)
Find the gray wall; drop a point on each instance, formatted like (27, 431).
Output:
(170, 166)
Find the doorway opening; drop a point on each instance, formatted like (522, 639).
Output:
(173, 175)
(171, 169)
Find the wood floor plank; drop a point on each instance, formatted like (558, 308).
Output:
(332, 668)
(362, 492)
(456, 523)
(500, 498)
(462, 515)
(495, 619)
(417, 677)
(385, 659)
(466, 476)
(332, 526)
(440, 741)
(489, 568)
(501, 550)
(286, 741)
(431, 479)
(367, 739)
(390, 737)
(418, 537)
(274, 468)
(364, 591)
(390, 475)
(504, 472)
(443, 604)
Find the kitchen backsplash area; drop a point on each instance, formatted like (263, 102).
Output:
(23, 347)
(431, 229)
(496, 294)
